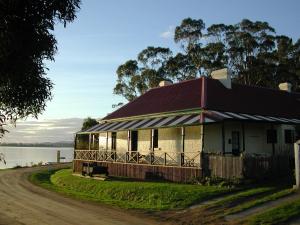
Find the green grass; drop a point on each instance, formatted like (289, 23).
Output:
(127, 193)
(259, 201)
(277, 215)
(243, 195)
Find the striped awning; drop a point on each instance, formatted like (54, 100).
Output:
(211, 116)
(169, 121)
(206, 117)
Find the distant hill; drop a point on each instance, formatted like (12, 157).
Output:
(42, 144)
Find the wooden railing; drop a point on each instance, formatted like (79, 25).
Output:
(225, 166)
(184, 159)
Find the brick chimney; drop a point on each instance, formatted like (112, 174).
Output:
(223, 75)
(285, 87)
(164, 83)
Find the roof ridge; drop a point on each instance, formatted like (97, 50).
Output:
(180, 82)
(265, 88)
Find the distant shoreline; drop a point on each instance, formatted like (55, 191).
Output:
(46, 144)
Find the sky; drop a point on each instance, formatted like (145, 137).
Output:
(108, 33)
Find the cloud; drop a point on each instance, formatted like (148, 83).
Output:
(43, 131)
(169, 33)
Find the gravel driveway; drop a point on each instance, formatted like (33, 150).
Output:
(24, 203)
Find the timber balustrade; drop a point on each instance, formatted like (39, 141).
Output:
(225, 166)
(184, 159)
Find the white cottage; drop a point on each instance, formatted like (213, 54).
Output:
(172, 128)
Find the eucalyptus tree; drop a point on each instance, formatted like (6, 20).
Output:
(252, 50)
(88, 123)
(135, 77)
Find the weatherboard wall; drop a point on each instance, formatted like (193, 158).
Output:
(170, 139)
(255, 137)
(193, 138)
(144, 141)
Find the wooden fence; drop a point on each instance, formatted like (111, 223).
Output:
(268, 167)
(144, 172)
(222, 166)
(248, 166)
(182, 159)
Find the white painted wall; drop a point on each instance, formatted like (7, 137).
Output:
(212, 138)
(102, 141)
(144, 141)
(122, 142)
(255, 137)
(192, 139)
(169, 139)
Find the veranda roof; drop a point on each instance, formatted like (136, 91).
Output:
(206, 117)
(165, 121)
(210, 116)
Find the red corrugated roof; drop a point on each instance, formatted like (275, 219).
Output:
(180, 96)
(252, 100)
(211, 94)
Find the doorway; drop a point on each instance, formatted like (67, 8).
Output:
(134, 140)
(235, 141)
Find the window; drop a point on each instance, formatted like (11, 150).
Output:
(271, 136)
(113, 141)
(155, 138)
(82, 141)
(289, 136)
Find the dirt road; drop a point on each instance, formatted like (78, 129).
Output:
(24, 203)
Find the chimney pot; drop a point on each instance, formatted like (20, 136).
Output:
(285, 87)
(223, 75)
(164, 83)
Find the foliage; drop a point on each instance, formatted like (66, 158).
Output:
(135, 77)
(252, 50)
(88, 122)
(126, 193)
(26, 41)
(222, 182)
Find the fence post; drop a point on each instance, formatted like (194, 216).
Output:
(151, 158)
(297, 164)
(58, 156)
(165, 162)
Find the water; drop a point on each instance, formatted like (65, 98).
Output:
(27, 156)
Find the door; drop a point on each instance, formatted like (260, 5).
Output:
(134, 140)
(235, 141)
(113, 141)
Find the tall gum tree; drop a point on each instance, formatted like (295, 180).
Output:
(250, 49)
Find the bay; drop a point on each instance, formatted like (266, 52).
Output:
(28, 156)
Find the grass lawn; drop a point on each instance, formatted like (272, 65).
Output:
(259, 201)
(127, 193)
(215, 212)
(277, 215)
